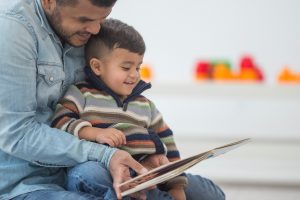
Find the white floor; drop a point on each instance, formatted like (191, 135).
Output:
(258, 192)
(260, 170)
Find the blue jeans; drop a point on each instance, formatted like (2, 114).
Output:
(91, 180)
(56, 195)
(94, 178)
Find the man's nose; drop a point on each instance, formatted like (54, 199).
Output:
(93, 28)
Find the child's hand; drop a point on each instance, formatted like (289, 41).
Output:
(177, 193)
(155, 160)
(111, 136)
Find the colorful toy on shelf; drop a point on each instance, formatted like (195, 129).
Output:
(224, 62)
(288, 76)
(249, 71)
(203, 70)
(220, 70)
(146, 73)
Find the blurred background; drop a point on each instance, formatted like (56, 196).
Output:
(223, 71)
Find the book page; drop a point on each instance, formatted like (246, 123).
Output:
(173, 169)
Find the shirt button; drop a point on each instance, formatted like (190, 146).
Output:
(51, 78)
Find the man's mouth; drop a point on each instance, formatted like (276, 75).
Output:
(84, 36)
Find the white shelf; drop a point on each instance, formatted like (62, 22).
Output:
(228, 89)
(228, 110)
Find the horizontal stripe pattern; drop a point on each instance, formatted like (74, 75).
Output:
(83, 103)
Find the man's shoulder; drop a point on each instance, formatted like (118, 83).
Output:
(18, 9)
(19, 12)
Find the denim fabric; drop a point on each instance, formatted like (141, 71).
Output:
(35, 70)
(93, 178)
(56, 195)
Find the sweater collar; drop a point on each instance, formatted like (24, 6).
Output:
(100, 85)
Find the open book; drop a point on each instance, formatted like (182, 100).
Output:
(173, 169)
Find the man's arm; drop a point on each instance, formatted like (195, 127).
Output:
(21, 135)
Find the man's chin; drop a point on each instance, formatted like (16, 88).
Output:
(76, 43)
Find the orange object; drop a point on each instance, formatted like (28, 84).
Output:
(146, 73)
(288, 76)
(285, 75)
(249, 71)
(248, 74)
(221, 72)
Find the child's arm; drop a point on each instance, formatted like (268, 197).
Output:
(110, 136)
(159, 127)
(67, 117)
(68, 110)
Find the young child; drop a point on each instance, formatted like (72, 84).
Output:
(108, 107)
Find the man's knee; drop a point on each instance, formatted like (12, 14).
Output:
(92, 178)
(202, 188)
(89, 172)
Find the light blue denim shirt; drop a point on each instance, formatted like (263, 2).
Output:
(35, 70)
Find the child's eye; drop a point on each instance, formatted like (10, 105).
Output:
(138, 69)
(125, 68)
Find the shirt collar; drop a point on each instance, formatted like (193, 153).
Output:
(44, 21)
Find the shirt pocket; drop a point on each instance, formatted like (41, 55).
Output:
(49, 85)
(51, 74)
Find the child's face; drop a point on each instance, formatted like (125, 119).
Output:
(119, 70)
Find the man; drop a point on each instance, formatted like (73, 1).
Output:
(38, 61)
(41, 54)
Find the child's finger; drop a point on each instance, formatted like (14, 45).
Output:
(123, 138)
(111, 142)
(119, 136)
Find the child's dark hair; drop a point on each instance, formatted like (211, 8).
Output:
(99, 3)
(114, 34)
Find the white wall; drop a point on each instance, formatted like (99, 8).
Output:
(179, 32)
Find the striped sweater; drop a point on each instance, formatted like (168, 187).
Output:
(92, 103)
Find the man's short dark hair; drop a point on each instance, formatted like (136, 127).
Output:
(99, 3)
(114, 34)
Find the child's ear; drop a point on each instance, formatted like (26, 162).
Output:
(96, 66)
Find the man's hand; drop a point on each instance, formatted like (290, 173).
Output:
(119, 166)
(155, 160)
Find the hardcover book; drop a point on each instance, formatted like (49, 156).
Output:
(173, 169)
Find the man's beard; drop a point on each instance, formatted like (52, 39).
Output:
(55, 21)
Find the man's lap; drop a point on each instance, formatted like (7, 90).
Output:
(95, 175)
(56, 195)
(91, 180)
